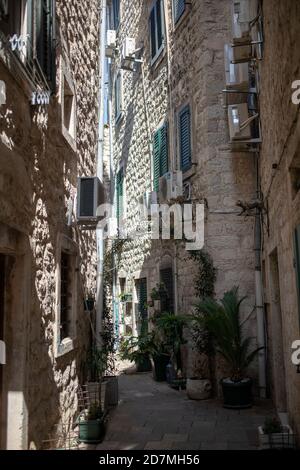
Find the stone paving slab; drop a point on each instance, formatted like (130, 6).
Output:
(152, 416)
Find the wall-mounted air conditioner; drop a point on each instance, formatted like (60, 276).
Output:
(240, 122)
(244, 14)
(111, 43)
(170, 186)
(90, 195)
(237, 75)
(128, 53)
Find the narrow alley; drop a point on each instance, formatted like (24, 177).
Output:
(152, 416)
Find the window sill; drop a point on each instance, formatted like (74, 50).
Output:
(157, 60)
(184, 15)
(65, 347)
(186, 174)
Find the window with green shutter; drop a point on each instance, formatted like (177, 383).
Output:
(184, 129)
(166, 278)
(297, 262)
(142, 304)
(160, 154)
(45, 36)
(116, 10)
(120, 194)
(178, 9)
(157, 29)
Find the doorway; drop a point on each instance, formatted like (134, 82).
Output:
(279, 375)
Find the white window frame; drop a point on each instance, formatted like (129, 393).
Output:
(65, 244)
(70, 134)
(163, 30)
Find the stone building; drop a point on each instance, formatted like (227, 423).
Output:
(279, 169)
(168, 116)
(49, 76)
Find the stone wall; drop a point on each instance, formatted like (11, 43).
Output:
(189, 70)
(39, 166)
(280, 147)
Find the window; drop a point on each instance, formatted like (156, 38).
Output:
(16, 24)
(45, 32)
(297, 262)
(69, 109)
(178, 9)
(120, 195)
(160, 154)
(66, 293)
(166, 278)
(142, 304)
(116, 13)
(184, 129)
(118, 96)
(157, 29)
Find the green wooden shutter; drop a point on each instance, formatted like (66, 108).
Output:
(45, 21)
(297, 262)
(120, 189)
(185, 139)
(160, 155)
(179, 8)
(166, 277)
(142, 304)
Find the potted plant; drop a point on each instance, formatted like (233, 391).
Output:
(222, 320)
(91, 425)
(137, 350)
(89, 302)
(274, 435)
(170, 329)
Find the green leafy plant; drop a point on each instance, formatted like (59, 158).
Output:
(222, 320)
(171, 327)
(272, 425)
(136, 349)
(158, 291)
(94, 413)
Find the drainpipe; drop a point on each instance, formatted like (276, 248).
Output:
(99, 232)
(261, 338)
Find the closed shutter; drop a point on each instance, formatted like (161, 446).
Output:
(166, 277)
(297, 262)
(116, 8)
(179, 8)
(142, 304)
(45, 16)
(120, 189)
(185, 138)
(160, 155)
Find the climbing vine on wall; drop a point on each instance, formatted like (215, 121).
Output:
(204, 283)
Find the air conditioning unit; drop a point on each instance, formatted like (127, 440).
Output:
(170, 186)
(239, 122)
(90, 195)
(244, 12)
(237, 75)
(128, 54)
(111, 43)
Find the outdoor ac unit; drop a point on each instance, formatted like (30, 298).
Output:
(170, 186)
(237, 75)
(238, 117)
(111, 43)
(90, 195)
(243, 14)
(128, 53)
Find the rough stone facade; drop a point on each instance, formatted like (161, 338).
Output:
(40, 161)
(279, 163)
(190, 69)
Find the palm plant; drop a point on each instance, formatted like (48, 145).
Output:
(222, 320)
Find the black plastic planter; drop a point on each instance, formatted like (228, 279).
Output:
(160, 363)
(144, 364)
(237, 395)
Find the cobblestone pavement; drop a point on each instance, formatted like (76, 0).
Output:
(152, 416)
